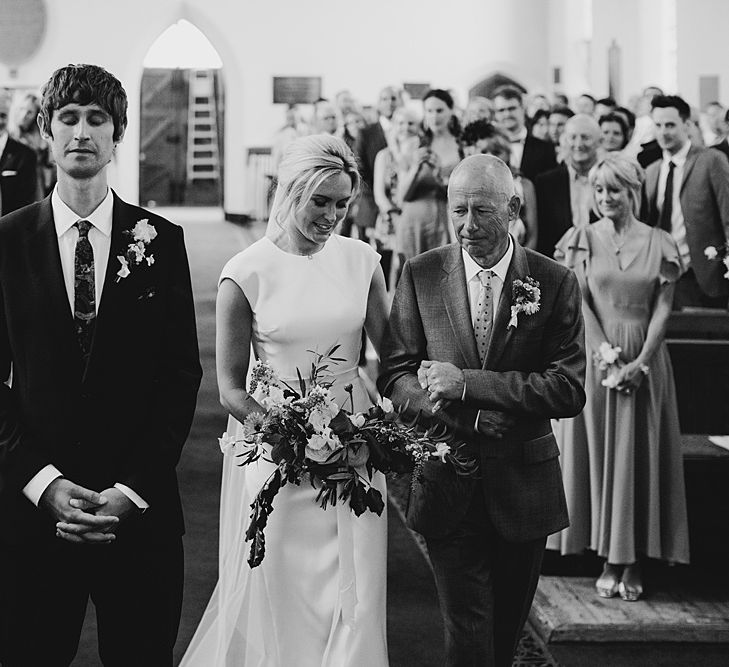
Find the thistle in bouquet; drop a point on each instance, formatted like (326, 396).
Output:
(720, 254)
(311, 438)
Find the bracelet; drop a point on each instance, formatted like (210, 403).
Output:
(644, 369)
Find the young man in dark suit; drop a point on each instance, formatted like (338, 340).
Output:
(460, 347)
(18, 177)
(97, 325)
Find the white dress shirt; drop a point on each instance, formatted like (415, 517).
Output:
(100, 238)
(517, 148)
(581, 197)
(473, 284)
(678, 225)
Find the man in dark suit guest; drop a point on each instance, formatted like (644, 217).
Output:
(97, 324)
(529, 155)
(564, 195)
(458, 350)
(723, 145)
(18, 179)
(687, 194)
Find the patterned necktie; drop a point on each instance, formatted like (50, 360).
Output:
(667, 210)
(84, 305)
(484, 313)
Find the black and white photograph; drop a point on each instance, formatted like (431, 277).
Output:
(379, 335)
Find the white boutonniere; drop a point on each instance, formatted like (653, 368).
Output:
(526, 296)
(720, 254)
(142, 235)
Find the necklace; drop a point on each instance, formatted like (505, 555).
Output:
(618, 240)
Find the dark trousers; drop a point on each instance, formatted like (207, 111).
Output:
(485, 587)
(689, 294)
(136, 588)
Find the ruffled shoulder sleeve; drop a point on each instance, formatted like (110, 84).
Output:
(573, 249)
(671, 265)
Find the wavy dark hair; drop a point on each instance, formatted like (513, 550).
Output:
(85, 84)
(613, 117)
(674, 101)
(454, 125)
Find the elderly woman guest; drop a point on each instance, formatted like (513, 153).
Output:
(424, 219)
(614, 132)
(622, 462)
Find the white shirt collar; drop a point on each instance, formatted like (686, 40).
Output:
(500, 268)
(64, 218)
(679, 157)
(519, 136)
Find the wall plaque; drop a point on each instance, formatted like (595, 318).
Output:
(296, 89)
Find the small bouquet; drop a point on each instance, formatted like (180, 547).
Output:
(720, 254)
(307, 435)
(607, 358)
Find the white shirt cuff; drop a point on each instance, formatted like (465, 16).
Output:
(34, 489)
(134, 497)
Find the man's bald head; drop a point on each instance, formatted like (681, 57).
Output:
(580, 141)
(481, 203)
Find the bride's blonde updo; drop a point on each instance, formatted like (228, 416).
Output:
(306, 164)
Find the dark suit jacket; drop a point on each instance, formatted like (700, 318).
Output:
(370, 142)
(554, 208)
(538, 157)
(126, 416)
(722, 146)
(18, 176)
(534, 371)
(704, 198)
(649, 153)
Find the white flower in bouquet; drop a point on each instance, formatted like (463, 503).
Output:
(441, 451)
(358, 420)
(611, 381)
(711, 252)
(609, 353)
(321, 446)
(275, 397)
(386, 404)
(322, 399)
(319, 419)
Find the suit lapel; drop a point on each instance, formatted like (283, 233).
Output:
(45, 259)
(689, 164)
(455, 297)
(502, 333)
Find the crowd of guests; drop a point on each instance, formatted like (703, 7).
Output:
(628, 197)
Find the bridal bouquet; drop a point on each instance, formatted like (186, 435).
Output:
(309, 437)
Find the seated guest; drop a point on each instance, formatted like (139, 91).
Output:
(539, 124)
(613, 132)
(687, 194)
(529, 155)
(485, 138)
(622, 460)
(564, 195)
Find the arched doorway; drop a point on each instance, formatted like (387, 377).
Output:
(487, 86)
(181, 121)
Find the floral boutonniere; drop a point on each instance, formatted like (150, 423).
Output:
(720, 254)
(526, 296)
(142, 235)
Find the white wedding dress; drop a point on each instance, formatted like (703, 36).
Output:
(318, 598)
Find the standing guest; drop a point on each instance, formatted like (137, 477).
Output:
(539, 124)
(536, 102)
(529, 155)
(613, 132)
(558, 118)
(585, 103)
(564, 194)
(424, 219)
(621, 457)
(687, 194)
(23, 127)
(603, 106)
(371, 140)
(326, 120)
(643, 142)
(318, 597)
(478, 108)
(353, 124)
(629, 117)
(101, 402)
(345, 103)
(485, 138)
(390, 164)
(716, 127)
(450, 356)
(723, 145)
(560, 100)
(18, 177)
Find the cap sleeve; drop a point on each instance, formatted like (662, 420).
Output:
(671, 265)
(573, 249)
(242, 273)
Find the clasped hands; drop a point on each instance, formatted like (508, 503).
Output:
(629, 377)
(445, 383)
(84, 516)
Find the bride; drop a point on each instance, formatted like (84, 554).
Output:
(318, 598)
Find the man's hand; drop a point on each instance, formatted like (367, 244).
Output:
(443, 381)
(76, 509)
(116, 508)
(494, 423)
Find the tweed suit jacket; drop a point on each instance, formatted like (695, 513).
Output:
(704, 197)
(534, 371)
